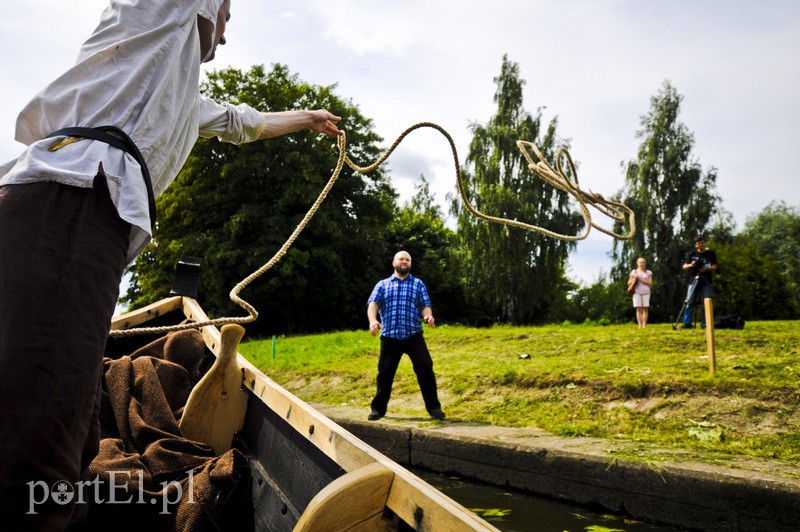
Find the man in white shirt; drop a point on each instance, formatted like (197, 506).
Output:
(74, 211)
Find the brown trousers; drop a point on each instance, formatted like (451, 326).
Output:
(62, 256)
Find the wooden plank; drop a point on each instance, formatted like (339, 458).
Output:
(272, 509)
(344, 448)
(352, 502)
(211, 335)
(144, 314)
(292, 470)
(427, 509)
(216, 406)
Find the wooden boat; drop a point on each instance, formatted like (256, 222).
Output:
(307, 472)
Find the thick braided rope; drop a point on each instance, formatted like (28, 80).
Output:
(554, 177)
(559, 179)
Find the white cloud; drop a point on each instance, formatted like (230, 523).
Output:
(352, 26)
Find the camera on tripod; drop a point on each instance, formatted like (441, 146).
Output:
(697, 264)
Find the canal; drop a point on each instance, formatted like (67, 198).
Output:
(512, 510)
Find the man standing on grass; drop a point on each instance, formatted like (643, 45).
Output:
(402, 300)
(701, 263)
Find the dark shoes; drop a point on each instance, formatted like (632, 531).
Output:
(687, 326)
(437, 414)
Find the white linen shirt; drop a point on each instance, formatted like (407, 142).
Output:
(139, 71)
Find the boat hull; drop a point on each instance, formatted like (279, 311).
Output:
(305, 471)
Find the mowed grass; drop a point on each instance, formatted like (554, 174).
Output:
(651, 389)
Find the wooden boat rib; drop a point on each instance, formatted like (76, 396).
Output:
(308, 473)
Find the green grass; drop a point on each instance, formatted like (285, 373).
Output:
(651, 388)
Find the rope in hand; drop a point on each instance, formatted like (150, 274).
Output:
(554, 176)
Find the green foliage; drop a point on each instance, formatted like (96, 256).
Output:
(514, 275)
(673, 198)
(776, 233)
(723, 227)
(602, 302)
(234, 206)
(749, 283)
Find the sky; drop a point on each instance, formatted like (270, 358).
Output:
(592, 64)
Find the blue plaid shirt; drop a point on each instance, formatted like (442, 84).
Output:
(400, 304)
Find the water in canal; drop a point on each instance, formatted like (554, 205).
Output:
(516, 511)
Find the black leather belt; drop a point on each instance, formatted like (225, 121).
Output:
(114, 136)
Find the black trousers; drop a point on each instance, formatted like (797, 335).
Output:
(392, 351)
(62, 254)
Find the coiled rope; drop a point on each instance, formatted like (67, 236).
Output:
(554, 176)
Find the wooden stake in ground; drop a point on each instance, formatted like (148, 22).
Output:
(712, 356)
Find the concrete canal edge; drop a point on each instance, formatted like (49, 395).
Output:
(743, 497)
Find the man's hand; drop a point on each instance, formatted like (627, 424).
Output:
(429, 320)
(324, 122)
(374, 327)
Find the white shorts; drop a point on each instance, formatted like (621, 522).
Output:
(641, 300)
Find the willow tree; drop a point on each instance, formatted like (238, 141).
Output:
(513, 274)
(673, 198)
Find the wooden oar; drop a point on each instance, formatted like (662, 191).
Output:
(216, 407)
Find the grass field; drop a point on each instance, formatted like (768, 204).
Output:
(651, 388)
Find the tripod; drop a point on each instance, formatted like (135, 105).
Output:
(691, 299)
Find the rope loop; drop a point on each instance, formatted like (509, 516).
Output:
(557, 177)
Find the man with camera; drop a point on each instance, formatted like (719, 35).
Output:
(701, 263)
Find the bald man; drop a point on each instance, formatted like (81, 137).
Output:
(402, 303)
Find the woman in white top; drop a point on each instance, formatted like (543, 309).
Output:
(643, 279)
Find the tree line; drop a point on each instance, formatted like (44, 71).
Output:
(234, 206)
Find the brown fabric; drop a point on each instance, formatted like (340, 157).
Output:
(184, 348)
(62, 254)
(142, 445)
